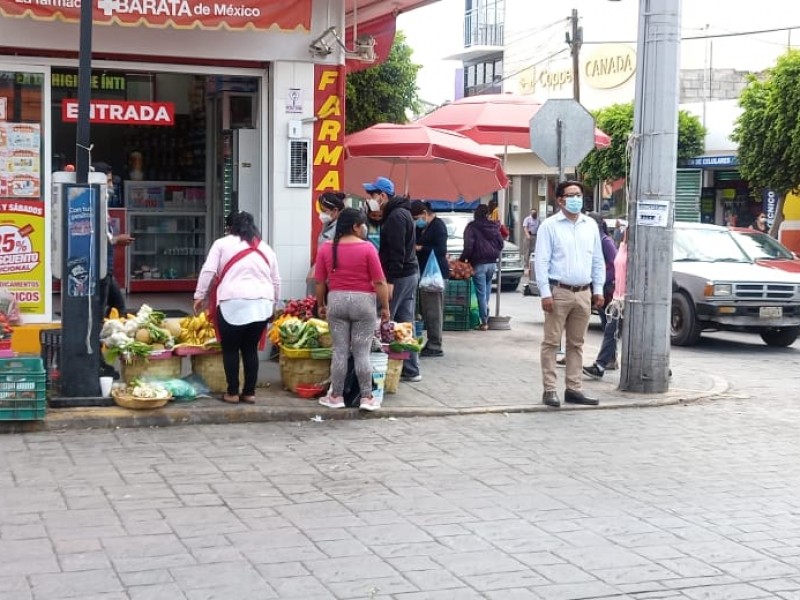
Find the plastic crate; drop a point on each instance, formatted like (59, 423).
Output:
(458, 292)
(50, 342)
(22, 389)
(456, 318)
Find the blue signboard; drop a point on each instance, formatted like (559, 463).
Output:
(80, 247)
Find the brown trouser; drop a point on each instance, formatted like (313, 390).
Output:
(570, 315)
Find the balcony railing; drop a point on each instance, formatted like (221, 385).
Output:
(483, 25)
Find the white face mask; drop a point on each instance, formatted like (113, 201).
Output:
(364, 231)
(325, 218)
(373, 205)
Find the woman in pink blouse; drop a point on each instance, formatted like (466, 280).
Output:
(246, 295)
(349, 277)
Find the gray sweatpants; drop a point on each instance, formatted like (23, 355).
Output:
(351, 317)
(403, 308)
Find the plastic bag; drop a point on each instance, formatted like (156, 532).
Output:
(180, 389)
(432, 280)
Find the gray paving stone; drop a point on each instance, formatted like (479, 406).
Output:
(88, 561)
(562, 573)
(434, 579)
(75, 585)
(299, 587)
(143, 578)
(736, 591)
(160, 591)
(478, 563)
(370, 585)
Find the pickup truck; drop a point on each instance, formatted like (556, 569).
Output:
(716, 286)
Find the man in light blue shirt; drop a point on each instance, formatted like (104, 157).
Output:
(570, 272)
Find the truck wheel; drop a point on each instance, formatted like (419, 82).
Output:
(684, 328)
(780, 336)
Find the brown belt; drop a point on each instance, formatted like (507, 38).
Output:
(571, 288)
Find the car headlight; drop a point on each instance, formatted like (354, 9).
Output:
(515, 257)
(718, 290)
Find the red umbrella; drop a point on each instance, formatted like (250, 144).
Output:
(423, 162)
(497, 119)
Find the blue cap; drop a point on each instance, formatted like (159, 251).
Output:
(382, 184)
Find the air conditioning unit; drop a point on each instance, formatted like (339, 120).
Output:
(298, 173)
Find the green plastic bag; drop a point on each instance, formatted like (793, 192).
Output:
(474, 311)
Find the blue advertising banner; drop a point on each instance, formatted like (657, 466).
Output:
(80, 247)
(770, 205)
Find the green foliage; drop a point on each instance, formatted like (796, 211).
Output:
(383, 93)
(617, 121)
(768, 130)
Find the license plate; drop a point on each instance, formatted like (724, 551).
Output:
(770, 312)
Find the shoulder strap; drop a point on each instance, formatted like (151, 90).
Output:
(240, 255)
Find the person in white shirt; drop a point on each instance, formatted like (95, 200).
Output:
(530, 227)
(570, 273)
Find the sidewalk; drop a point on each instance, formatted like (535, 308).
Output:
(482, 372)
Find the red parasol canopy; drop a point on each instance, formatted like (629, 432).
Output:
(497, 119)
(422, 161)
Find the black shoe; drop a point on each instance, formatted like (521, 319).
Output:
(574, 397)
(561, 362)
(612, 366)
(593, 371)
(551, 399)
(431, 353)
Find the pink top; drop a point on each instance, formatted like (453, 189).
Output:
(250, 278)
(357, 266)
(620, 271)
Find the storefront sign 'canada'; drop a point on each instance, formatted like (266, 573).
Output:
(287, 15)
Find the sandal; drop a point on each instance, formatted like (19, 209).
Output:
(247, 399)
(229, 399)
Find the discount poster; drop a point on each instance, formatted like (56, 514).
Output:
(22, 268)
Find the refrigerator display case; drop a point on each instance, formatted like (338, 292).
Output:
(169, 225)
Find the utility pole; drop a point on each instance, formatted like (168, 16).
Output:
(646, 323)
(575, 41)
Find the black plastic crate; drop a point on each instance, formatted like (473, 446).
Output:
(50, 342)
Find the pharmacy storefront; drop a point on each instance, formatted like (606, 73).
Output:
(197, 106)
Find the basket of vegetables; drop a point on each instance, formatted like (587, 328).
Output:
(143, 343)
(142, 396)
(305, 350)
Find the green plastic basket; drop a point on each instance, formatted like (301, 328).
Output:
(22, 392)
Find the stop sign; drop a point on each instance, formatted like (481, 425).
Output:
(577, 132)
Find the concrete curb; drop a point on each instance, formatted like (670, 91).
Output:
(187, 414)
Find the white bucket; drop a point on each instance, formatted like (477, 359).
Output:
(380, 363)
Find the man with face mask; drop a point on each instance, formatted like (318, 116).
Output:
(398, 259)
(570, 273)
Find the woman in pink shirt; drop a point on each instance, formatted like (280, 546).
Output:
(349, 277)
(245, 299)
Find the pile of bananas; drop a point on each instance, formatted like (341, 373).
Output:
(197, 331)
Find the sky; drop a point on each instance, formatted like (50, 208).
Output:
(435, 32)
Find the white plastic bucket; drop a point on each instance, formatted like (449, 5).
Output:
(380, 363)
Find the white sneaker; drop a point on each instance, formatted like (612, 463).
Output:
(412, 378)
(369, 404)
(332, 401)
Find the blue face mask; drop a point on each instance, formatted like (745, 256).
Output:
(421, 223)
(573, 204)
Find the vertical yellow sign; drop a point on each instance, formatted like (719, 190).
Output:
(22, 253)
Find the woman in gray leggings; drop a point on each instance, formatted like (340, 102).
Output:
(349, 277)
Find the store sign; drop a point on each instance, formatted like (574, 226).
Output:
(22, 250)
(115, 112)
(328, 169)
(712, 161)
(286, 15)
(770, 205)
(550, 78)
(610, 66)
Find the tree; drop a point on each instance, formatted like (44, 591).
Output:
(617, 121)
(768, 130)
(383, 93)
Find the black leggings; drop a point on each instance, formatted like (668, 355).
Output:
(242, 339)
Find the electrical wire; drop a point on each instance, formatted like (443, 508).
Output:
(706, 36)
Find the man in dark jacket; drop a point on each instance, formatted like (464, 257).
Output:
(398, 259)
(431, 241)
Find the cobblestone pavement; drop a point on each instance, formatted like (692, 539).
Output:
(698, 502)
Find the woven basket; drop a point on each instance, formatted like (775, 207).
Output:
(210, 369)
(393, 371)
(296, 371)
(126, 400)
(161, 368)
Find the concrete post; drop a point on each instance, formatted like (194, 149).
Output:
(646, 325)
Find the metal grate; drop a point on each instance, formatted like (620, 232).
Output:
(764, 291)
(299, 172)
